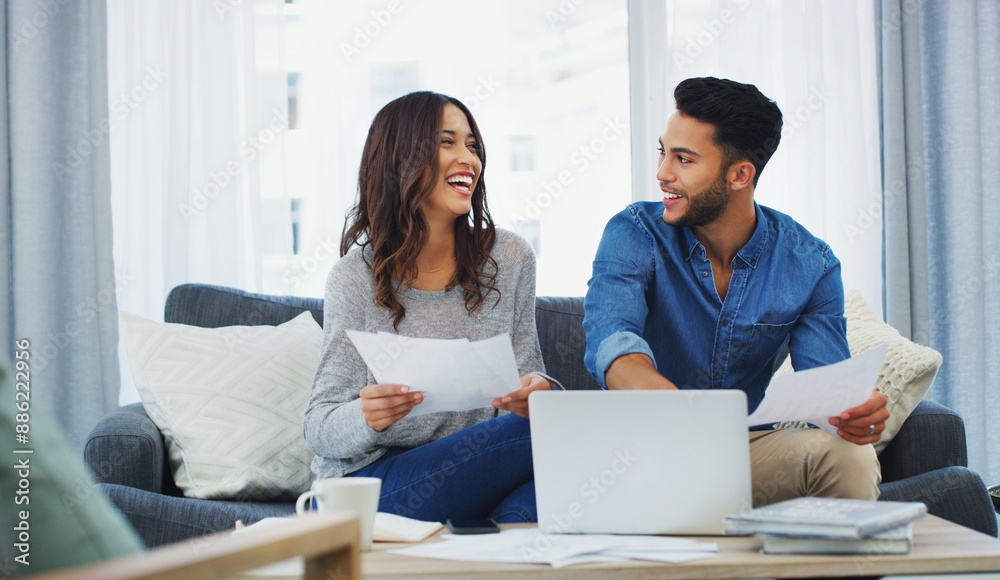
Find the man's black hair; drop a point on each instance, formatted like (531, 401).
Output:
(747, 124)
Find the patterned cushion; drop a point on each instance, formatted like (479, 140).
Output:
(229, 402)
(908, 369)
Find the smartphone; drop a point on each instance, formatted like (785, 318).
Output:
(473, 526)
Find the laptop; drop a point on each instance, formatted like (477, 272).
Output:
(639, 462)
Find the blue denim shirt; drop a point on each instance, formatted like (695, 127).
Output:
(653, 292)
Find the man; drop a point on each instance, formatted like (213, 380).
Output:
(704, 290)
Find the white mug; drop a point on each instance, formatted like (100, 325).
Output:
(356, 494)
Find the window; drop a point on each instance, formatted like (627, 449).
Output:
(818, 61)
(522, 153)
(547, 82)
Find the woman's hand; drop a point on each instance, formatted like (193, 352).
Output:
(384, 404)
(517, 402)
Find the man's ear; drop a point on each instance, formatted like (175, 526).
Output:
(741, 174)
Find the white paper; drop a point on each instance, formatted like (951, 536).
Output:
(817, 394)
(388, 528)
(453, 374)
(395, 528)
(668, 557)
(531, 546)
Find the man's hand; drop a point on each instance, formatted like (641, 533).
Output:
(517, 402)
(384, 404)
(863, 424)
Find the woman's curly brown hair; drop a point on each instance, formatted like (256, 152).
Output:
(398, 171)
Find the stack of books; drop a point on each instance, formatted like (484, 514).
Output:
(814, 525)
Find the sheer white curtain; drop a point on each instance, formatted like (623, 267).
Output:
(333, 112)
(198, 102)
(817, 60)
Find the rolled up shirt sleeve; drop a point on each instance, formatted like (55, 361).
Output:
(620, 344)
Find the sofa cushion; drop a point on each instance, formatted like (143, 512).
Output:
(560, 333)
(214, 306)
(908, 369)
(229, 402)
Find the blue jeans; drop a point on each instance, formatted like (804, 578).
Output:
(482, 470)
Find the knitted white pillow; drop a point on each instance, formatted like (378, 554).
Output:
(908, 369)
(229, 402)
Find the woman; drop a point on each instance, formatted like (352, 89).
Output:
(421, 257)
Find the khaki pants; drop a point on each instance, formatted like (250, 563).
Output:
(789, 463)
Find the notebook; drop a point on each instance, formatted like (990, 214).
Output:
(639, 462)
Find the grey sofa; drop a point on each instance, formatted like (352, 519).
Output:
(925, 462)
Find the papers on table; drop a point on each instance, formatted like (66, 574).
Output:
(393, 528)
(453, 375)
(817, 394)
(388, 528)
(531, 546)
(520, 545)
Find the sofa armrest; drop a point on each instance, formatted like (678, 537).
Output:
(932, 437)
(126, 448)
(956, 494)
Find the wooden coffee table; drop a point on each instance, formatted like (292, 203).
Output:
(939, 547)
(328, 546)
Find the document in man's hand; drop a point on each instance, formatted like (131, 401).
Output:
(453, 374)
(817, 394)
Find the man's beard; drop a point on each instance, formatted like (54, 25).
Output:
(707, 205)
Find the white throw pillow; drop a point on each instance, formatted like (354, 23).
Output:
(908, 369)
(229, 402)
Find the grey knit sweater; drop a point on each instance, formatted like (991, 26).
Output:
(334, 427)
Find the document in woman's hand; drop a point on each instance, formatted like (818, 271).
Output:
(453, 374)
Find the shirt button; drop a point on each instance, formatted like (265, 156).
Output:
(725, 322)
(703, 274)
(716, 375)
